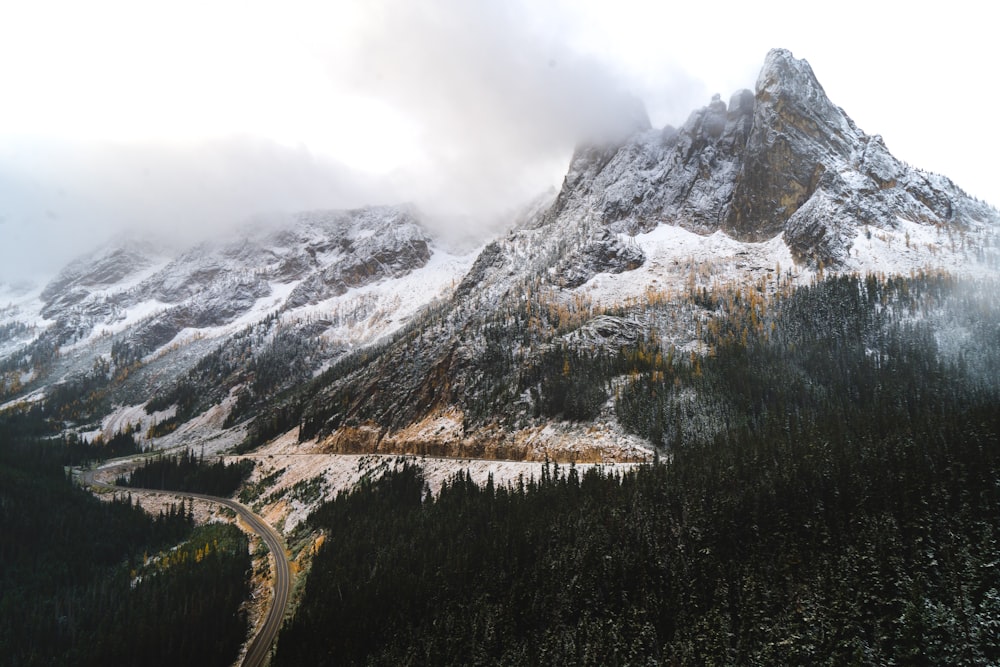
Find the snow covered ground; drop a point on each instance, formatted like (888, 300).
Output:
(913, 247)
(367, 313)
(677, 259)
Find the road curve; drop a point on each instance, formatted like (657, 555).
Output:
(260, 645)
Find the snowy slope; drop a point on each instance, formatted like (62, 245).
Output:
(350, 277)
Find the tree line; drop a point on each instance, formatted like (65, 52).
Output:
(85, 581)
(827, 495)
(187, 472)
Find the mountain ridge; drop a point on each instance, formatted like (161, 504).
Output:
(616, 234)
(359, 331)
(781, 159)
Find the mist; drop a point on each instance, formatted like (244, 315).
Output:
(466, 110)
(497, 93)
(187, 120)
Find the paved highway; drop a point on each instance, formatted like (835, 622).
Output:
(260, 645)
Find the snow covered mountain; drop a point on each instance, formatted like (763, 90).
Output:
(319, 256)
(145, 316)
(784, 160)
(774, 190)
(357, 332)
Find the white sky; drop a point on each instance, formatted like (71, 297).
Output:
(183, 115)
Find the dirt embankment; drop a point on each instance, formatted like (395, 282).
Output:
(442, 435)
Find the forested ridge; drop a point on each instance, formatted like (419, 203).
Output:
(828, 495)
(91, 582)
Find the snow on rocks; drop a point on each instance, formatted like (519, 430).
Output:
(677, 260)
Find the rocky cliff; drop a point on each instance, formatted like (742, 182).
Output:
(780, 160)
(769, 190)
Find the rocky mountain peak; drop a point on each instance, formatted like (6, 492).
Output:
(797, 132)
(784, 76)
(782, 160)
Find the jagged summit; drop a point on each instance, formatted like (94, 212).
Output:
(797, 134)
(783, 159)
(783, 75)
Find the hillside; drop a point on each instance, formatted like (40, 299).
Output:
(729, 395)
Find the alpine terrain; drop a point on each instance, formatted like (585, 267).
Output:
(729, 396)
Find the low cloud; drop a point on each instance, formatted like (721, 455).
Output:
(59, 199)
(494, 97)
(498, 96)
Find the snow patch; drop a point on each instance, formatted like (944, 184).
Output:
(913, 246)
(299, 462)
(33, 397)
(677, 259)
(364, 314)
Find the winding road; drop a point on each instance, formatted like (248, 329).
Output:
(260, 646)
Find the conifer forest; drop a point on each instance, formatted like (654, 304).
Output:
(827, 494)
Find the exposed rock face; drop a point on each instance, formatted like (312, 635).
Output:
(605, 332)
(216, 306)
(102, 270)
(808, 171)
(605, 254)
(782, 160)
(326, 252)
(797, 134)
(489, 260)
(682, 177)
(365, 249)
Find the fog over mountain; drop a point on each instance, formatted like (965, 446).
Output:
(728, 394)
(185, 121)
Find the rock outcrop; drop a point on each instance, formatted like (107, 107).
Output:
(810, 173)
(604, 254)
(781, 160)
(361, 249)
